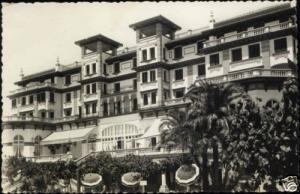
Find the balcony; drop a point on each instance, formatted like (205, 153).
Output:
(176, 101)
(249, 33)
(32, 87)
(253, 73)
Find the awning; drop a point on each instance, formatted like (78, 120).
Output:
(154, 129)
(68, 136)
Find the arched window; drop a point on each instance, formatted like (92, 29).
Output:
(37, 146)
(18, 145)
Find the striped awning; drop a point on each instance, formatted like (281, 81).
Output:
(68, 136)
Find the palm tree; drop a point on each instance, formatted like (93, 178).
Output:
(204, 124)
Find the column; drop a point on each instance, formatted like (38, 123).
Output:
(225, 61)
(130, 103)
(265, 53)
(160, 87)
(122, 104)
(163, 187)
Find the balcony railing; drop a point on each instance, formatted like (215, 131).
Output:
(126, 50)
(249, 33)
(253, 73)
(175, 101)
(32, 87)
(39, 119)
(190, 32)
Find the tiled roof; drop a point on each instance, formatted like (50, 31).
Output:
(99, 37)
(157, 19)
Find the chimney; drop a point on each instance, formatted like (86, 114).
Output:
(57, 65)
(212, 20)
(21, 73)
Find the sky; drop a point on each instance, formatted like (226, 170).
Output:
(35, 35)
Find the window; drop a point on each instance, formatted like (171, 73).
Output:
(31, 99)
(199, 46)
(43, 114)
(145, 97)
(23, 102)
(87, 89)
(94, 107)
(52, 80)
(117, 107)
(179, 93)
(153, 141)
(254, 50)
(87, 109)
(152, 53)
(236, 54)
(68, 112)
(214, 59)
(37, 146)
(144, 77)
(179, 74)
(51, 99)
(117, 67)
(166, 94)
(41, 97)
(117, 87)
(153, 98)
(280, 45)
(201, 70)
(14, 103)
(51, 115)
(177, 52)
(68, 97)
(104, 69)
(144, 55)
(68, 80)
(87, 70)
(18, 145)
(105, 109)
(94, 88)
(135, 104)
(94, 67)
(134, 84)
(134, 62)
(152, 76)
(104, 89)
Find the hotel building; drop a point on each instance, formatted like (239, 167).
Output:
(114, 99)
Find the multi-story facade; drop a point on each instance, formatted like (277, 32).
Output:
(114, 100)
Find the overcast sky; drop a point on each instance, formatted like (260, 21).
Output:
(34, 35)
